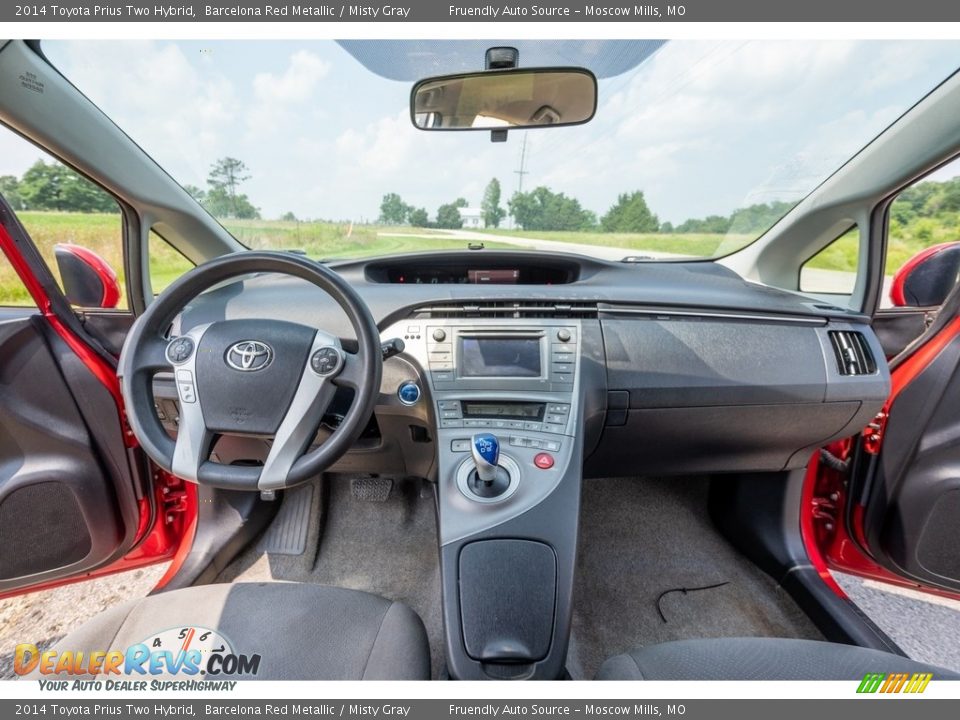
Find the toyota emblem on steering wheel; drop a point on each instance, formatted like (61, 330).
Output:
(249, 355)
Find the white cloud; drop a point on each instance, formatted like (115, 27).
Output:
(155, 92)
(296, 84)
(277, 97)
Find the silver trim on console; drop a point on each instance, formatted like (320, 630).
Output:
(506, 462)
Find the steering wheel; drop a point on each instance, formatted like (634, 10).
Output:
(268, 378)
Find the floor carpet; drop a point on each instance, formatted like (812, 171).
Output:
(642, 537)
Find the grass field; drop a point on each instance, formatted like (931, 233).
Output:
(102, 233)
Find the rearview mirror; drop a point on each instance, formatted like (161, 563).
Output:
(505, 99)
(928, 277)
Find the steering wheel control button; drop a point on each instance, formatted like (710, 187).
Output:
(185, 386)
(409, 394)
(544, 461)
(325, 361)
(179, 350)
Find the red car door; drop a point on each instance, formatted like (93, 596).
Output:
(77, 497)
(886, 504)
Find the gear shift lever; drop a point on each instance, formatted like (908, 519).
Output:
(486, 453)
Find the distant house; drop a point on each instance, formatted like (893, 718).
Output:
(472, 217)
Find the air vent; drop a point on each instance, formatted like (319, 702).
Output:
(508, 309)
(852, 352)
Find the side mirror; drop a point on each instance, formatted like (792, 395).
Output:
(88, 280)
(505, 99)
(928, 277)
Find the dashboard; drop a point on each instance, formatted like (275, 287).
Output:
(676, 368)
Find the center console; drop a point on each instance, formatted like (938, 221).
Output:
(508, 401)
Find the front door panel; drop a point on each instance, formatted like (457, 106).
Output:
(912, 514)
(59, 512)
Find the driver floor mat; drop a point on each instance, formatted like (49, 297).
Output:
(388, 548)
(643, 541)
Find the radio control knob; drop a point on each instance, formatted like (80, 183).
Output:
(563, 335)
(439, 335)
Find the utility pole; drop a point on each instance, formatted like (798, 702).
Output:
(523, 160)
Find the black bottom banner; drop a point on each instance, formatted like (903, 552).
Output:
(785, 709)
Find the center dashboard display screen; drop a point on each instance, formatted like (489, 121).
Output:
(499, 357)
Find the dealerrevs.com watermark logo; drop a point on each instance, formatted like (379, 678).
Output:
(202, 657)
(894, 682)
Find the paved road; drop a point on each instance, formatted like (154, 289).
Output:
(42, 618)
(926, 627)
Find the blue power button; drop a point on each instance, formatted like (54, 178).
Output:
(409, 393)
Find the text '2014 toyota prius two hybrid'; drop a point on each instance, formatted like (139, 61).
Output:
(480, 360)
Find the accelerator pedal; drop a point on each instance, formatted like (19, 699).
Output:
(371, 489)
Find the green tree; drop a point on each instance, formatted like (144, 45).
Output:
(630, 214)
(448, 216)
(492, 212)
(755, 219)
(393, 210)
(198, 194)
(220, 204)
(542, 209)
(10, 189)
(288, 216)
(418, 217)
(56, 187)
(711, 224)
(224, 198)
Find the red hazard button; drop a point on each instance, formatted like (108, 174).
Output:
(544, 461)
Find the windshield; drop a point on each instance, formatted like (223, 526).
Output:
(696, 149)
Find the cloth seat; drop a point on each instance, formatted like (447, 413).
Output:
(758, 659)
(301, 631)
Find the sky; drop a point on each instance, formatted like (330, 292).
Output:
(701, 127)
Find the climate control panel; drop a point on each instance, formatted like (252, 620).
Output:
(548, 417)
